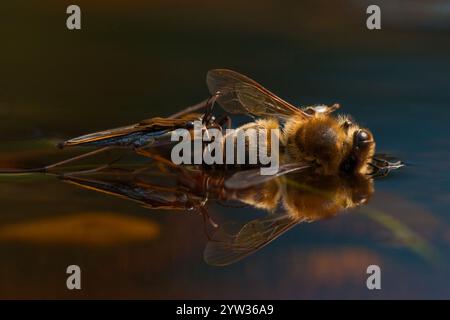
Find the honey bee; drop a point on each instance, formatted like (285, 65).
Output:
(328, 164)
(310, 136)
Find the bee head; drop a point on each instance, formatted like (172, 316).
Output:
(361, 149)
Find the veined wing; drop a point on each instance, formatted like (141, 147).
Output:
(143, 131)
(248, 178)
(239, 94)
(146, 194)
(226, 248)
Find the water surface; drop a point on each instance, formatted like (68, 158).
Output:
(143, 60)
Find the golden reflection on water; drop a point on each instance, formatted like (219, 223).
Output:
(81, 229)
(158, 241)
(285, 202)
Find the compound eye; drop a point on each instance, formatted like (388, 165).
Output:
(362, 137)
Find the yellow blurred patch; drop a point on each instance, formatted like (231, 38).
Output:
(86, 229)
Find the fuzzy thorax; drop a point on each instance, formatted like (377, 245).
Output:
(320, 139)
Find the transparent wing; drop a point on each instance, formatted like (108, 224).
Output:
(147, 194)
(252, 177)
(239, 94)
(153, 125)
(226, 248)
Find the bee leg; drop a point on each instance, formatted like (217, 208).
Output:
(208, 116)
(207, 220)
(219, 124)
(50, 169)
(82, 156)
(224, 121)
(383, 163)
(379, 171)
(154, 156)
(75, 173)
(191, 109)
(97, 169)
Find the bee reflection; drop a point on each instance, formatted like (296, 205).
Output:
(286, 201)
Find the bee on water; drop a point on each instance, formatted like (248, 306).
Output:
(327, 165)
(310, 136)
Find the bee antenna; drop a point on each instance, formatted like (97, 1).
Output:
(335, 106)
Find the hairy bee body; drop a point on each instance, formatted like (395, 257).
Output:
(333, 144)
(306, 136)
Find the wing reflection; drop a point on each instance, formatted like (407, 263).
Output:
(287, 200)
